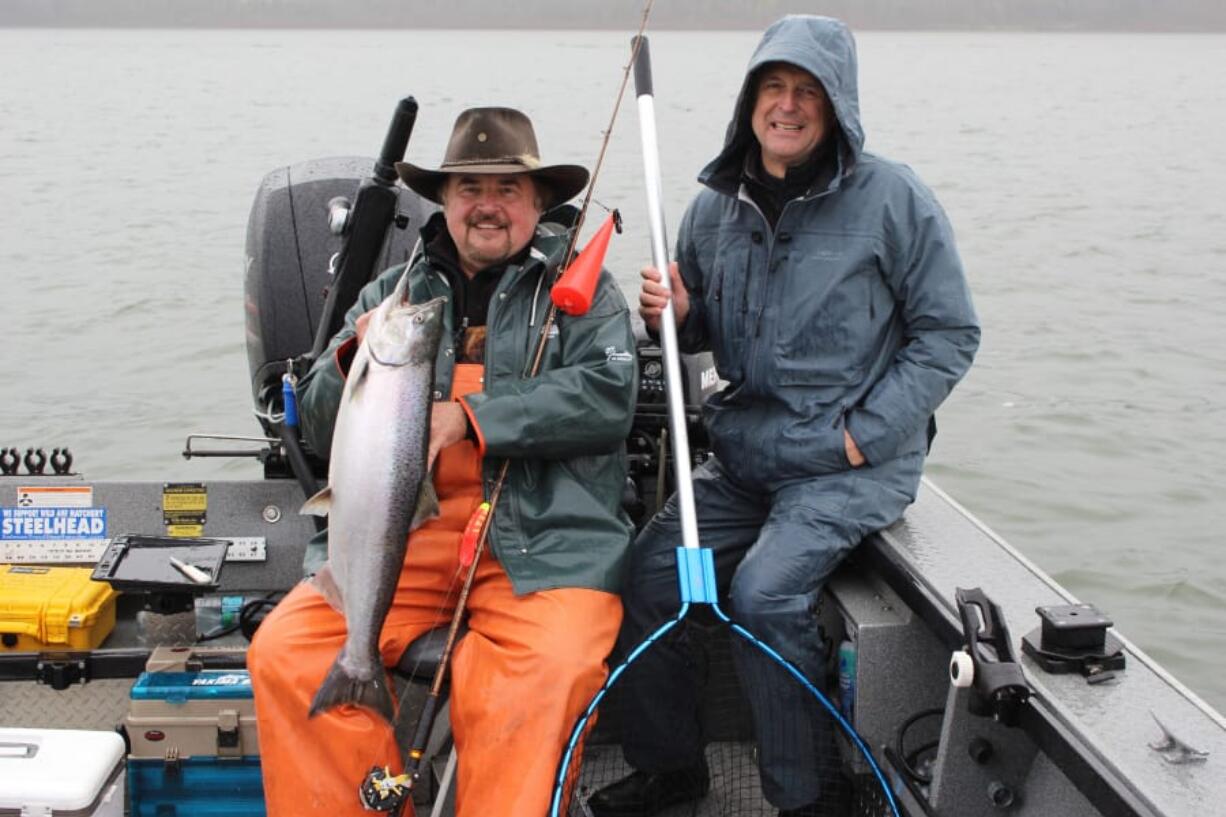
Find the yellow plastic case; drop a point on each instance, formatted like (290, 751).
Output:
(53, 607)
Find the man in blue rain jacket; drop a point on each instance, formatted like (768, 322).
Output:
(826, 283)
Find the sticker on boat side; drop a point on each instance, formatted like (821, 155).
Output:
(60, 524)
(55, 496)
(52, 523)
(184, 508)
(184, 497)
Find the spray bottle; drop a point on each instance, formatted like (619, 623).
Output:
(847, 678)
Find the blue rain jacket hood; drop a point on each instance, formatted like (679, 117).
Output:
(826, 49)
(851, 314)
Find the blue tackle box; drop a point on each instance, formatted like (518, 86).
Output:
(193, 745)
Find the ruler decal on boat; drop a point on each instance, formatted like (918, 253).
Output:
(242, 549)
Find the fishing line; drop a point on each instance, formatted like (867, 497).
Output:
(453, 590)
(550, 318)
(568, 256)
(696, 576)
(604, 144)
(378, 787)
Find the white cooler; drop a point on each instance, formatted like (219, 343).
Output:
(61, 772)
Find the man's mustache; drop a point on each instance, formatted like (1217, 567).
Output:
(482, 218)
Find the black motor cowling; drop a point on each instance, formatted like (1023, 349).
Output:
(290, 252)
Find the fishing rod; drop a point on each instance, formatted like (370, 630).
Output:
(696, 577)
(571, 293)
(364, 226)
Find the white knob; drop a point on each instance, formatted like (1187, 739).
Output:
(339, 210)
(961, 669)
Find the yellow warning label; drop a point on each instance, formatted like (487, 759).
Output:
(183, 521)
(184, 496)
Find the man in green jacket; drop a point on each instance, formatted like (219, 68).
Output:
(543, 613)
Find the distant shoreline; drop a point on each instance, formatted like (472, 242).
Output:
(287, 26)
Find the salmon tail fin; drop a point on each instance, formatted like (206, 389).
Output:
(340, 687)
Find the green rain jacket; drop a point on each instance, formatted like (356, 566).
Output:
(559, 521)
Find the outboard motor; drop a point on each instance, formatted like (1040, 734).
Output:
(310, 250)
(294, 239)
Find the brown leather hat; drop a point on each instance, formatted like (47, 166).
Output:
(495, 141)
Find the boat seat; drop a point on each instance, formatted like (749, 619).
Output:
(420, 660)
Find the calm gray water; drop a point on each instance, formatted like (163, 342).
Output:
(1084, 174)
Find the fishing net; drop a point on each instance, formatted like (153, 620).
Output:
(722, 718)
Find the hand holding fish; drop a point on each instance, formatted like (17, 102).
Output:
(654, 295)
(448, 422)
(448, 425)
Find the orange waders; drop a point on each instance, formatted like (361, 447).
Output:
(520, 677)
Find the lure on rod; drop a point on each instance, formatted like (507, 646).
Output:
(577, 779)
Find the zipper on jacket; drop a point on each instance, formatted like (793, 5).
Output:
(745, 275)
(752, 338)
(777, 237)
(840, 419)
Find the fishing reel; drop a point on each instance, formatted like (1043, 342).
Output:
(383, 791)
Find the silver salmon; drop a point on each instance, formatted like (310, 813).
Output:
(378, 489)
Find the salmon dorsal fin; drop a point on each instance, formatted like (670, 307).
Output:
(318, 505)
